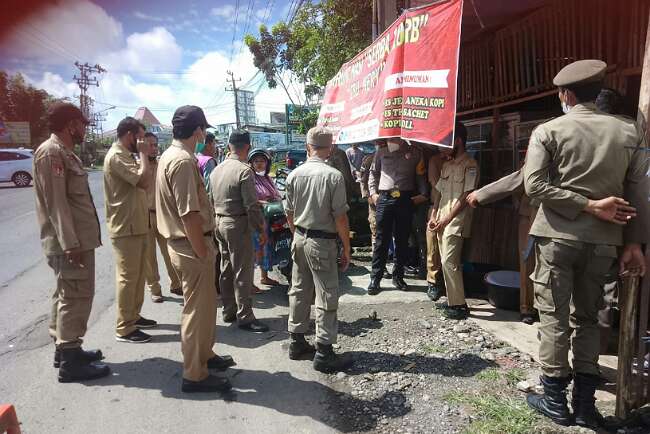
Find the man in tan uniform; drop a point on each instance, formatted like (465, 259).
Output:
(339, 160)
(580, 166)
(185, 219)
(435, 281)
(513, 184)
(152, 276)
(316, 210)
(127, 218)
(238, 214)
(451, 220)
(69, 235)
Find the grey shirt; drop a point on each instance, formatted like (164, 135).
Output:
(315, 195)
(232, 190)
(402, 170)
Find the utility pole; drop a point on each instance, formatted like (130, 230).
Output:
(235, 91)
(86, 79)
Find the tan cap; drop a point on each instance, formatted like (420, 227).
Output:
(319, 137)
(580, 72)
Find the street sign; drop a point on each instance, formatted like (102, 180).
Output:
(15, 133)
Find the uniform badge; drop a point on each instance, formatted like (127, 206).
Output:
(395, 194)
(57, 167)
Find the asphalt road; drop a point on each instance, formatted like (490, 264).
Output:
(271, 393)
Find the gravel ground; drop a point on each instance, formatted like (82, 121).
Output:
(416, 372)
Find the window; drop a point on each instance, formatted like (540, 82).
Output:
(19, 156)
(5, 156)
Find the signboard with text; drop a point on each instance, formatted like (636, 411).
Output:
(403, 85)
(15, 133)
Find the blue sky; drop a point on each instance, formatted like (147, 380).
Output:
(160, 54)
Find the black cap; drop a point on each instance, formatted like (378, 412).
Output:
(190, 116)
(63, 112)
(239, 137)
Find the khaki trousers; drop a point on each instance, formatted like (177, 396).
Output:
(152, 276)
(237, 267)
(314, 276)
(565, 275)
(526, 267)
(130, 253)
(433, 256)
(200, 310)
(451, 249)
(72, 299)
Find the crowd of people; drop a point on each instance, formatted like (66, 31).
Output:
(583, 203)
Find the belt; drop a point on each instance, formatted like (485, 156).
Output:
(232, 215)
(207, 234)
(311, 233)
(152, 210)
(394, 193)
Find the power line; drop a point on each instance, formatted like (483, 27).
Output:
(234, 91)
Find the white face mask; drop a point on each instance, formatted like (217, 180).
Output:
(260, 173)
(565, 107)
(393, 147)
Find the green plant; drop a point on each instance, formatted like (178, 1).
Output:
(432, 349)
(491, 375)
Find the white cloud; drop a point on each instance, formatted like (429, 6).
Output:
(147, 17)
(155, 50)
(227, 12)
(64, 34)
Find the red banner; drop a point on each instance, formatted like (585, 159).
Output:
(403, 85)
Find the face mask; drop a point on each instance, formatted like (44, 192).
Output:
(199, 148)
(393, 147)
(565, 107)
(260, 173)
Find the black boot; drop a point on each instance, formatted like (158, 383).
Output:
(375, 285)
(75, 368)
(398, 282)
(89, 356)
(583, 401)
(299, 348)
(434, 291)
(327, 361)
(553, 404)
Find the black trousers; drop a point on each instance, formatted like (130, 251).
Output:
(394, 219)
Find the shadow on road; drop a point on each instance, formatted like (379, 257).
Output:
(280, 391)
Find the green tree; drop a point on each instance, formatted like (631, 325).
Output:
(322, 37)
(20, 101)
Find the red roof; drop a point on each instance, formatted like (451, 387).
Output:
(145, 116)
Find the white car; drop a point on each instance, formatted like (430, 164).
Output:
(16, 166)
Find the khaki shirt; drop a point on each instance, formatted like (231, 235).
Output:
(586, 154)
(401, 170)
(433, 175)
(512, 184)
(180, 191)
(365, 174)
(315, 195)
(457, 177)
(125, 203)
(232, 190)
(64, 206)
(151, 189)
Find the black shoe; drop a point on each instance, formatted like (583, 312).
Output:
(177, 291)
(229, 318)
(74, 367)
(144, 323)
(137, 337)
(528, 318)
(299, 348)
(327, 361)
(386, 274)
(399, 283)
(210, 384)
(456, 312)
(434, 292)
(89, 356)
(411, 271)
(254, 326)
(553, 404)
(221, 363)
(583, 401)
(375, 285)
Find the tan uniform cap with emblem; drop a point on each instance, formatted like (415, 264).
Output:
(580, 72)
(319, 137)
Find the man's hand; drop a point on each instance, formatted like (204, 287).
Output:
(420, 198)
(374, 198)
(143, 147)
(344, 262)
(632, 261)
(472, 200)
(612, 209)
(432, 222)
(442, 224)
(74, 258)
